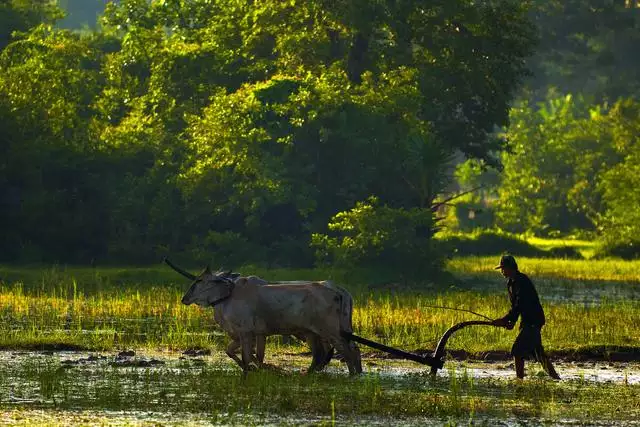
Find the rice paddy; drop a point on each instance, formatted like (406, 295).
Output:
(592, 310)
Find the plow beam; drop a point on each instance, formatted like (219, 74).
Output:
(425, 360)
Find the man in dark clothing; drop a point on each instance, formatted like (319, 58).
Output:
(525, 304)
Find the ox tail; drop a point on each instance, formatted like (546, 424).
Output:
(346, 309)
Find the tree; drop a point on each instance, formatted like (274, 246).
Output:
(233, 121)
(619, 221)
(548, 179)
(22, 15)
(381, 239)
(48, 81)
(587, 47)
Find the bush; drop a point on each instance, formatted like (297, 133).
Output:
(380, 238)
(625, 249)
(488, 243)
(564, 252)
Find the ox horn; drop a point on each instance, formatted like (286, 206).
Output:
(179, 270)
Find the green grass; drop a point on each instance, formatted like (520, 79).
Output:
(600, 272)
(140, 307)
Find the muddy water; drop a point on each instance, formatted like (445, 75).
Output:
(22, 402)
(587, 371)
(596, 372)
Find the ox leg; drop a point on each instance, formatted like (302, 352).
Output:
(247, 341)
(261, 342)
(323, 354)
(328, 351)
(234, 347)
(319, 353)
(357, 357)
(232, 350)
(351, 354)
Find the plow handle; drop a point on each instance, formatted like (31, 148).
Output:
(438, 354)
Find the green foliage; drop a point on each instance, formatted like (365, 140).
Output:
(586, 47)
(227, 249)
(561, 148)
(50, 179)
(620, 222)
(476, 176)
(547, 184)
(487, 242)
(380, 238)
(22, 15)
(574, 167)
(473, 208)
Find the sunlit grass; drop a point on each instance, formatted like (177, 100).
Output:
(155, 318)
(546, 243)
(565, 269)
(586, 248)
(96, 311)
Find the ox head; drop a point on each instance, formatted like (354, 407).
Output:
(210, 288)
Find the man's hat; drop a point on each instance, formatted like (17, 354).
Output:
(508, 261)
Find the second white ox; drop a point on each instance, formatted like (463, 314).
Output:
(246, 308)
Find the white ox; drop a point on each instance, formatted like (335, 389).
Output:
(248, 309)
(322, 351)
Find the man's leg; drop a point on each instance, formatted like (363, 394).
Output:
(548, 366)
(519, 363)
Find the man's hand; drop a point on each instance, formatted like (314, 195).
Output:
(503, 323)
(510, 325)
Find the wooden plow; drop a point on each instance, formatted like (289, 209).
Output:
(436, 360)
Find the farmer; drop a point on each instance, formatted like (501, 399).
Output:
(524, 302)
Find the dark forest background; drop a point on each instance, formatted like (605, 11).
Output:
(293, 133)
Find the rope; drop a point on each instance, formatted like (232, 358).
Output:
(458, 309)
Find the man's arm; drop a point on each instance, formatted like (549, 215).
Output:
(513, 314)
(511, 317)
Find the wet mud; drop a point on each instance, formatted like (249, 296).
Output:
(592, 354)
(591, 366)
(25, 401)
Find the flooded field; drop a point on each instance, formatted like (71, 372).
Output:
(202, 388)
